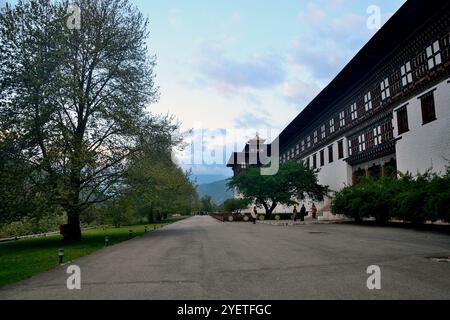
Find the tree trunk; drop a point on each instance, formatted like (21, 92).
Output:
(269, 210)
(72, 230)
(150, 217)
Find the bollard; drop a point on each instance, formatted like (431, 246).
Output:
(130, 234)
(61, 256)
(106, 241)
(145, 229)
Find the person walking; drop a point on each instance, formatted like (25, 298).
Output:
(254, 215)
(295, 213)
(302, 213)
(314, 211)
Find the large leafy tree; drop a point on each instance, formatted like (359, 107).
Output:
(154, 183)
(73, 101)
(293, 182)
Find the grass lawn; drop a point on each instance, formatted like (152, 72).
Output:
(23, 259)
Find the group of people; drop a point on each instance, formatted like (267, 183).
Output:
(303, 213)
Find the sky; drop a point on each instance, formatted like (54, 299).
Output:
(231, 68)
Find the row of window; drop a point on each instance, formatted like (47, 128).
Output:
(433, 54)
(428, 108)
(318, 159)
(371, 138)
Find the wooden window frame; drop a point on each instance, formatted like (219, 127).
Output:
(428, 116)
(402, 120)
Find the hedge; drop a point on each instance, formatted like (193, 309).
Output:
(415, 199)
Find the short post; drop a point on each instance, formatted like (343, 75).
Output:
(145, 229)
(61, 256)
(130, 234)
(106, 241)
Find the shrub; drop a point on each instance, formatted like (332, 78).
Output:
(33, 225)
(415, 199)
(367, 199)
(438, 199)
(235, 205)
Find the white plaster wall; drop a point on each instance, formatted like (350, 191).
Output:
(426, 146)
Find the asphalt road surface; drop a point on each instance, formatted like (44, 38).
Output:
(201, 258)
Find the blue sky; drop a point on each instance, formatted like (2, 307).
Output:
(242, 66)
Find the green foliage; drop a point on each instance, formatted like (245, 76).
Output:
(75, 132)
(235, 205)
(294, 181)
(33, 225)
(415, 199)
(369, 198)
(207, 204)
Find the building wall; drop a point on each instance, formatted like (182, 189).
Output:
(425, 146)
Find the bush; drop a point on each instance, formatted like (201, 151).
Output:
(425, 197)
(367, 199)
(33, 225)
(235, 205)
(438, 200)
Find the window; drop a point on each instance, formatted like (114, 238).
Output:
(332, 127)
(428, 108)
(402, 120)
(308, 163)
(406, 72)
(342, 119)
(316, 137)
(377, 136)
(323, 132)
(341, 149)
(322, 158)
(315, 161)
(434, 55)
(385, 91)
(368, 101)
(362, 143)
(303, 145)
(308, 140)
(330, 154)
(354, 111)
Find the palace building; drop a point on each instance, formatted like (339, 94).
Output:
(387, 110)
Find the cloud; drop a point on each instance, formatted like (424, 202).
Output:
(174, 18)
(238, 76)
(312, 14)
(253, 120)
(325, 49)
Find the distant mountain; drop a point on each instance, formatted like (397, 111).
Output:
(208, 178)
(217, 190)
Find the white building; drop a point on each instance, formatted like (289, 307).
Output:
(387, 110)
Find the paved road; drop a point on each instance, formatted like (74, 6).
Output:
(200, 258)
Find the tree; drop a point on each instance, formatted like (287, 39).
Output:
(293, 182)
(207, 204)
(73, 101)
(235, 205)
